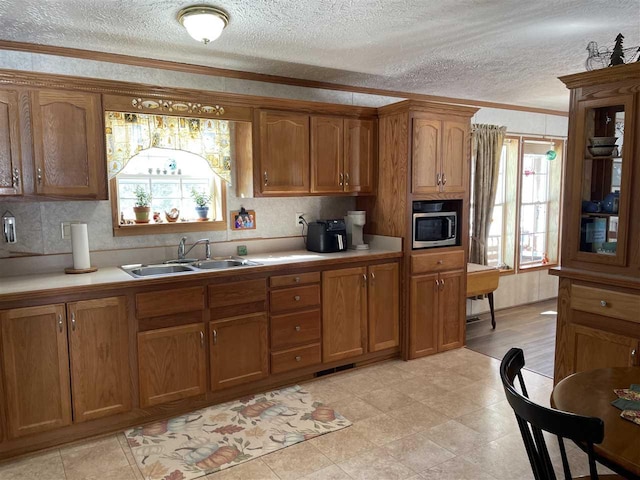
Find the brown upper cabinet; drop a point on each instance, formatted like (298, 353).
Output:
(68, 144)
(283, 152)
(313, 154)
(55, 144)
(440, 152)
(341, 155)
(10, 164)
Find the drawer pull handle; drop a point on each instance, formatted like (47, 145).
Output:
(201, 338)
(215, 337)
(373, 278)
(73, 321)
(296, 280)
(39, 176)
(298, 358)
(298, 328)
(444, 179)
(603, 303)
(16, 178)
(297, 298)
(437, 283)
(438, 180)
(441, 284)
(60, 323)
(633, 356)
(266, 178)
(341, 182)
(346, 180)
(440, 262)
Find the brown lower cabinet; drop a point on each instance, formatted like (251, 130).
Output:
(239, 350)
(172, 364)
(436, 322)
(52, 356)
(360, 310)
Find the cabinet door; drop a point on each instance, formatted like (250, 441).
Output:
(99, 349)
(455, 157)
(592, 348)
(239, 350)
(36, 369)
(451, 310)
(423, 319)
(10, 165)
(425, 155)
(359, 155)
(327, 155)
(384, 306)
(68, 143)
(171, 363)
(284, 152)
(344, 313)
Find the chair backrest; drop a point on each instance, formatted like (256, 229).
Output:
(533, 419)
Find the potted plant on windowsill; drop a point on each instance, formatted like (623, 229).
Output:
(202, 201)
(142, 206)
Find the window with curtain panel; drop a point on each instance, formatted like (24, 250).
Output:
(525, 225)
(173, 159)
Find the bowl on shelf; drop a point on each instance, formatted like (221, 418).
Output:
(601, 150)
(602, 141)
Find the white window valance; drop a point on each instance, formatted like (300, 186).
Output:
(127, 134)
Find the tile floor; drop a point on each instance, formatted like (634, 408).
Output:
(443, 417)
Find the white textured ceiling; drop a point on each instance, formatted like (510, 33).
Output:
(507, 51)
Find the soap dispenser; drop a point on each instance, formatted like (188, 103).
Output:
(9, 227)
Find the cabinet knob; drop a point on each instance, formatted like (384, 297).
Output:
(297, 298)
(440, 262)
(296, 280)
(603, 303)
(297, 328)
(39, 176)
(266, 178)
(298, 358)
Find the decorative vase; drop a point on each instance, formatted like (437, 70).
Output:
(611, 202)
(203, 213)
(142, 214)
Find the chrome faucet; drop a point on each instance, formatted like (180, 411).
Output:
(181, 248)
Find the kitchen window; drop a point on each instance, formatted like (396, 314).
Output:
(525, 225)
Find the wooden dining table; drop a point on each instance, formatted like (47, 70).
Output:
(590, 393)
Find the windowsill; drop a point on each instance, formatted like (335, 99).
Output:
(537, 266)
(169, 227)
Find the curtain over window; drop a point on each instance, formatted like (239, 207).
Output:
(486, 148)
(127, 134)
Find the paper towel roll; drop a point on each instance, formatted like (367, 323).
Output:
(80, 246)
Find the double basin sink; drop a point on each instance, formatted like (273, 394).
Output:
(173, 267)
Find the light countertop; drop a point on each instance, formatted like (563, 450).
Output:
(115, 277)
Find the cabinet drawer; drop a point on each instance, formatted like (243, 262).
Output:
(295, 279)
(605, 302)
(293, 298)
(437, 262)
(295, 358)
(167, 302)
(295, 329)
(237, 293)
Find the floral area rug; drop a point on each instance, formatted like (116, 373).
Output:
(218, 437)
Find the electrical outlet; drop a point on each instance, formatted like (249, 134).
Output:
(65, 230)
(298, 221)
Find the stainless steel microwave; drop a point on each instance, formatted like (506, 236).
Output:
(435, 229)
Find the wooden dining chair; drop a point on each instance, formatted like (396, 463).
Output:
(533, 419)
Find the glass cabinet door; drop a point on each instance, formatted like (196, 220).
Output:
(603, 179)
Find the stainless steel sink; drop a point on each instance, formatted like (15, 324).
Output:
(218, 264)
(150, 270)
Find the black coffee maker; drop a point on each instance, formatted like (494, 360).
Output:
(327, 236)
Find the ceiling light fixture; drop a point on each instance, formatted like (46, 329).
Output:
(203, 22)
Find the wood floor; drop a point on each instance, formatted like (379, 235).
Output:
(530, 327)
